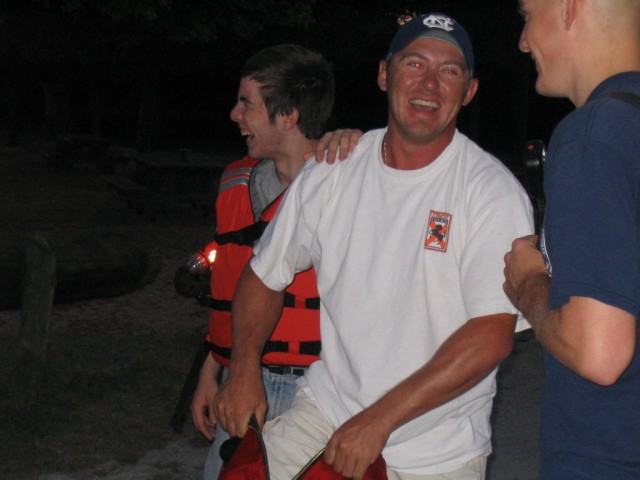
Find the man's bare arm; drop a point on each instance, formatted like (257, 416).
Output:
(595, 340)
(202, 402)
(255, 312)
(467, 357)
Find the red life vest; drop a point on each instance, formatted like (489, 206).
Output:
(296, 338)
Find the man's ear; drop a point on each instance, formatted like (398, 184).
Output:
(382, 75)
(569, 8)
(291, 119)
(471, 91)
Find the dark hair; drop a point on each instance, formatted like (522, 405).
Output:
(294, 77)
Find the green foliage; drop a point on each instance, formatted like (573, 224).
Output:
(187, 21)
(50, 33)
(196, 47)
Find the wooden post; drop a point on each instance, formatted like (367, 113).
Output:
(37, 301)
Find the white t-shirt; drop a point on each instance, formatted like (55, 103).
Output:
(403, 259)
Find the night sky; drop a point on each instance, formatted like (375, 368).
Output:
(70, 67)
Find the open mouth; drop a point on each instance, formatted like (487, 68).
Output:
(246, 133)
(418, 102)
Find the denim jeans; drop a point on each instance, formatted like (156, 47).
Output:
(280, 390)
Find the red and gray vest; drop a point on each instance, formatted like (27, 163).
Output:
(296, 338)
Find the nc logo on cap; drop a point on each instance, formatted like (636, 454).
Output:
(439, 21)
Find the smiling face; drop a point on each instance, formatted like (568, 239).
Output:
(250, 113)
(542, 38)
(427, 83)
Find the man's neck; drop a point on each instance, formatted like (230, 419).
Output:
(289, 162)
(403, 154)
(601, 51)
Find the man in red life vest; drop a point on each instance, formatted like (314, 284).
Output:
(284, 101)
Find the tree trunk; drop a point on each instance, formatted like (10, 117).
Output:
(37, 301)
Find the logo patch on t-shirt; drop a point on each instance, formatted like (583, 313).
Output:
(438, 230)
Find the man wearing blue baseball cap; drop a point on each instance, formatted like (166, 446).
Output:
(438, 26)
(407, 237)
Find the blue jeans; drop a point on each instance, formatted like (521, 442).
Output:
(280, 390)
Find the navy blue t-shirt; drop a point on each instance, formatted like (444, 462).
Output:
(592, 243)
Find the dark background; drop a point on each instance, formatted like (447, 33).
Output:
(162, 74)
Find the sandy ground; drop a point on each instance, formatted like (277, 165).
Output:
(179, 459)
(516, 413)
(515, 422)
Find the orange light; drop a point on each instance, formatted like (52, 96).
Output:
(210, 252)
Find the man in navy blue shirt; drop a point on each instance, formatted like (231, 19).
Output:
(581, 289)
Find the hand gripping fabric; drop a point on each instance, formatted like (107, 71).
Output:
(318, 469)
(249, 462)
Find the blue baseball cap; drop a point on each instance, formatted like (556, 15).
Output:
(434, 25)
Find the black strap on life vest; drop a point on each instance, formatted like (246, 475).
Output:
(290, 301)
(246, 236)
(306, 348)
